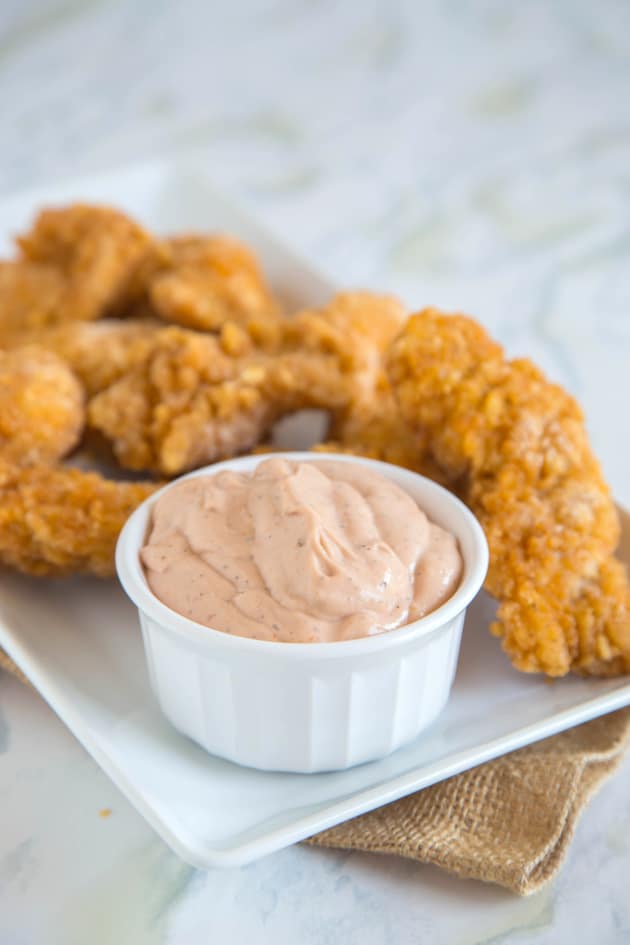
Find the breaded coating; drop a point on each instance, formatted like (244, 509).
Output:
(198, 398)
(56, 521)
(515, 447)
(178, 408)
(355, 329)
(190, 402)
(31, 296)
(210, 281)
(42, 410)
(103, 257)
(378, 431)
(99, 352)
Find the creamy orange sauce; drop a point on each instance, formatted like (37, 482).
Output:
(298, 552)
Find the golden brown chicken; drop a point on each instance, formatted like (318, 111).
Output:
(354, 329)
(42, 411)
(378, 431)
(31, 296)
(197, 398)
(77, 263)
(190, 403)
(56, 521)
(98, 352)
(515, 447)
(210, 281)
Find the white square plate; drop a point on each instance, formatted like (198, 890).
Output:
(79, 642)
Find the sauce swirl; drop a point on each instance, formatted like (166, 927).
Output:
(298, 552)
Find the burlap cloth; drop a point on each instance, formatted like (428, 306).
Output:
(509, 821)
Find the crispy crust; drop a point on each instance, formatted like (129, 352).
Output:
(102, 258)
(56, 521)
(31, 297)
(377, 430)
(516, 446)
(211, 281)
(42, 410)
(98, 352)
(190, 402)
(354, 329)
(196, 398)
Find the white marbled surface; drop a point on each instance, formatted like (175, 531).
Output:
(470, 154)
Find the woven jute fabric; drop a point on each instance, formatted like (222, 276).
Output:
(509, 821)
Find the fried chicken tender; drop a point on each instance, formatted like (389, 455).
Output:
(98, 352)
(42, 410)
(198, 398)
(56, 521)
(210, 281)
(515, 447)
(378, 431)
(190, 402)
(31, 295)
(95, 260)
(355, 329)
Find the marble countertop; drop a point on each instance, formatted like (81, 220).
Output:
(474, 155)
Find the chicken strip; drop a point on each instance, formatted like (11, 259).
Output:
(56, 521)
(378, 431)
(101, 258)
(198, 398)
(213, 280)
(190, 402)
(515, 446)
(355, 329)
(42, 410)
(98, 352)
(31, 296)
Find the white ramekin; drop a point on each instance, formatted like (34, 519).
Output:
(305, 706)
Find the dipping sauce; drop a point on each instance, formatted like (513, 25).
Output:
(298, 552)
